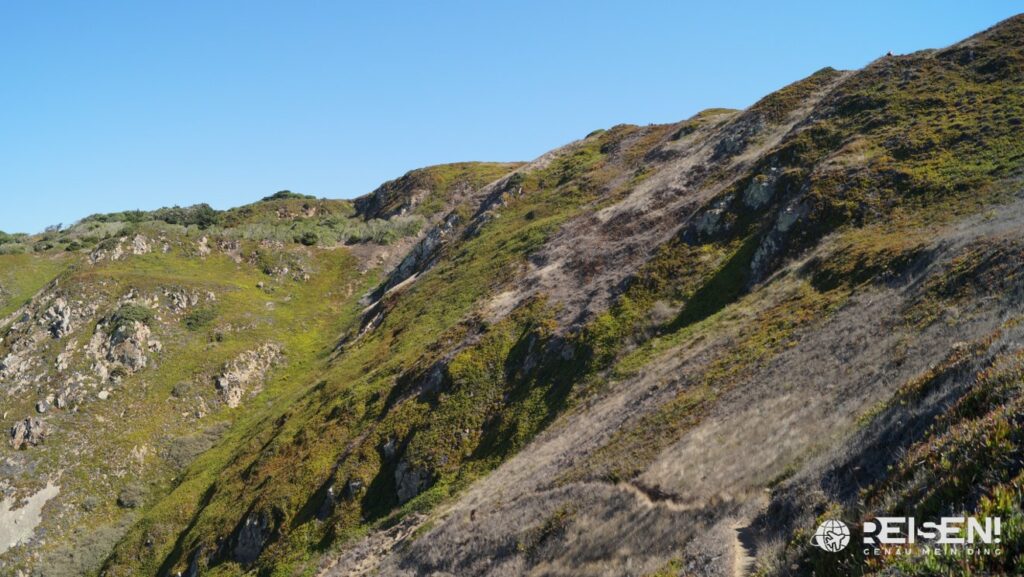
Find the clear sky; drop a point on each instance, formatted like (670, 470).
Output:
(118, 105)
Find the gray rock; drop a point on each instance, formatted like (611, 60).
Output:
(327, 505)
(29, 432)
(129, 344)
(410, 481)
(131, 497)
(759, 192)
(352, 488)
(58, 318)
(389, 448)
(250, 538)
(245, 373)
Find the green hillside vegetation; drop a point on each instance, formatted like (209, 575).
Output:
(893, 150)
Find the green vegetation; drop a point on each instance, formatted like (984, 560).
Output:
(23, 275)
(474, 413)
(673, 568)
(6, 238)
(427, 191)
(768, 331)
(966, 463)
(778, 105)
(129, 314)
(200, 215)
(200, 318)
(703, 118)
(287, 195)
(285, 216)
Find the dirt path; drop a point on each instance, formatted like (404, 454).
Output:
(745, 551)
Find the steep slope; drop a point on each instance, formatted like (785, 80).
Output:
(767, 390)
(658, 350)
(134, 342)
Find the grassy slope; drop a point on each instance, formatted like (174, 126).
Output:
(144, 413)
(22, 275)
(351, 406)
(304, 318)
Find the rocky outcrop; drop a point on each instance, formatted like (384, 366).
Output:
(19, 517)
(410, 481)
(244, 374)
(58, 318)
(772, 247)
(28, 432)
(116, 250)
(760, 191)
(249, 538)
(421, 257)
(180, 301)
(129, 344)
(27, 344)
(122, 351)
(140, 245)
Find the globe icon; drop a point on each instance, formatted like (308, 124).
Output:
(832, 536)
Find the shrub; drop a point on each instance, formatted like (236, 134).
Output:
(200, 215)
(131, 497)
(308, 238)
(131, 313)
(199, 318)
(286, 194)
(13, 248)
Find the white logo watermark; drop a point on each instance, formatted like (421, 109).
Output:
(832, 536)
(903, 535)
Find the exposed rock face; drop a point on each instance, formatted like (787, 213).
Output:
(709, 223)
(180, 301)
(107, 253)
(421, 256)
(16, 365)
(58, 318)
(19, 520)
(410, 481)
(129, 344)
(29, 432)
(759, 192)
(125, 349)
(250, 538)
(140, 245)
(245, 373)
(46, 318)
(775, 242)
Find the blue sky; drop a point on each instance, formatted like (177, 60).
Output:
(118, 105)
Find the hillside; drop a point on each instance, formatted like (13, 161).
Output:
(659, 350)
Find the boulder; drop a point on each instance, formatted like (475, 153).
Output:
(245, 373)
(29, 432)
(57, 318)
(410, 481)
(250, 538)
